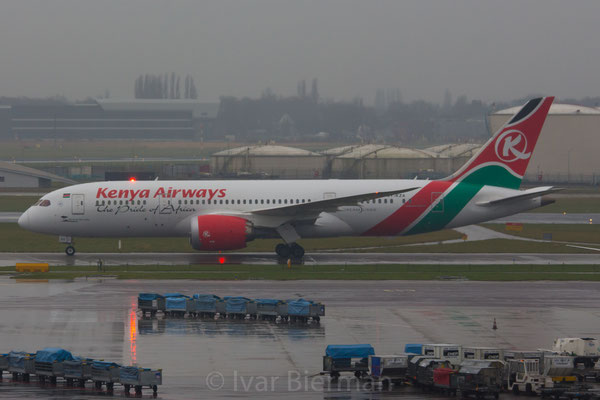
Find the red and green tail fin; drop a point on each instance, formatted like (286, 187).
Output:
(502, 161)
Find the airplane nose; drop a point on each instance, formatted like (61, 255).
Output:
(24, 220)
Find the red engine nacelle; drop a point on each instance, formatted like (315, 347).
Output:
(220, 232)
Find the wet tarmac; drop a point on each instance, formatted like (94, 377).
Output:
(333, 258)
(238, 359)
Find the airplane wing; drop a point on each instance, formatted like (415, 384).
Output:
(525, 194)
(318, 206)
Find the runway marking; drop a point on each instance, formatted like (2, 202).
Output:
(583, 247)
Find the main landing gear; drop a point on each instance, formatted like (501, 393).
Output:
(292, 250)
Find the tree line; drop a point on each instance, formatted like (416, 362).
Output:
(164, 86)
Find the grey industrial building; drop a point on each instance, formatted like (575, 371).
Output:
(110, 119)
(19, 176)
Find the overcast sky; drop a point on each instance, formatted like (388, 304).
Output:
(488, 50)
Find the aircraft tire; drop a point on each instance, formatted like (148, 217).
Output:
(297, 250)
(70, 251)
(283, 250)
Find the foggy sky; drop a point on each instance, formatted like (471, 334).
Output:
(487, 50)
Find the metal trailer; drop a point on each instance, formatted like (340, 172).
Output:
(413, 363)
(282, 310)
(480, 378)
(236, 306)
(3, 363)
(483, 353)
(347, 358)
(178, 306)
(21, 364)
(413, 348)
(316, 311)
(426, 367)
(151, 303)
(388, 369)
(252, 309)
(205, 305)
(49, 363)
(221, 307)
(140, 377)
(444, 351)
(298, 310)
(267, 308)
(77, 371)
(105, 373)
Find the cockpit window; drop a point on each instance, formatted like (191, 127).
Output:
(44, 203)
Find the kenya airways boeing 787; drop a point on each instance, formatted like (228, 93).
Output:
(224, 215)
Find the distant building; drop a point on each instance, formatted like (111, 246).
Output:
(110, 119)
(19, 176)
(567, 151)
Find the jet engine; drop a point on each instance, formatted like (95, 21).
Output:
(220, 232)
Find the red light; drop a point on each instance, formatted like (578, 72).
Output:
(221, 260)
(132, 179)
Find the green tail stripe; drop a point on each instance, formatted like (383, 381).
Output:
(459, 197)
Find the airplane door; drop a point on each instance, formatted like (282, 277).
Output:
(165, 208)
(77, 204)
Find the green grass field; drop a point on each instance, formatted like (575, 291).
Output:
(579, 233)
(574, 204)
(329, 272)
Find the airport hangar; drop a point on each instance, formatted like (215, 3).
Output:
(567, 151)
(19, 176)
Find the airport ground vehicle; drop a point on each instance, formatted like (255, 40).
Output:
(523, 376)
(480, 378)
(586, 354)
(105, 373)
(21, 364)
(425, 370)
(482, 353)
(388, 369)
(177, 304)
(347, 358)
(205, 305)
(49, 363)
(138, 378)
(78, 371)
(151, 303)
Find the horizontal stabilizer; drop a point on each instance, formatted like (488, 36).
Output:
(524, 195)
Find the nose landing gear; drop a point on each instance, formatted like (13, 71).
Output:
(293, 250)
(70, 250)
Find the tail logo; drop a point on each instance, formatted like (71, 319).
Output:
(512, 146)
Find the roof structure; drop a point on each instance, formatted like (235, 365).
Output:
(36, 173)
(455, 149)
(198, 109)
(266, 151)
(385, 151)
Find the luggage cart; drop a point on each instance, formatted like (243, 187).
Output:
(151, 303)
(21, 364)
(221, 306)
(267, 308)
(252, 309)
(140, 377)
(316, 311)
(347, 358)
(282, 310)
(205, 305)
(49, 363)
(178, 305)
(3, 364)
(78, 371)
(236, 307)
(298, 310)
(105, 373)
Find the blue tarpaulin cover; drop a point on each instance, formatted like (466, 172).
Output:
(17, 358)
(236, 304)
(104, 365)
(206, 302)
(298, 307)
(149, 296)
(129, 374)
(175, 295)
(267, 301)
(349, 350)
(413, 348)
(176, 303)
(51, 354)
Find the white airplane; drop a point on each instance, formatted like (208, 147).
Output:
(226, 214)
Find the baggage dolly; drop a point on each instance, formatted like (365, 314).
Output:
(140, 377)
(21, 364)
(105, 373)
